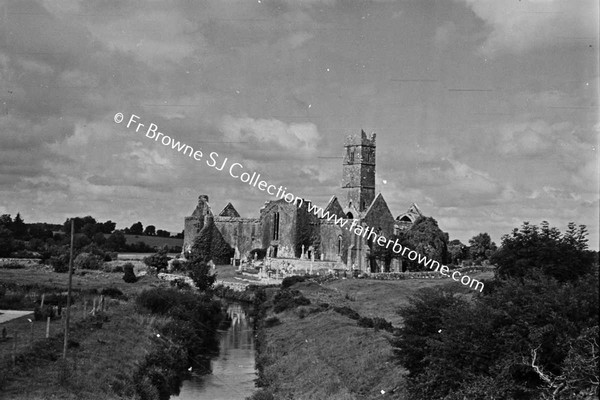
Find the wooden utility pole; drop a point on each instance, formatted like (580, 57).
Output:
(69, 291)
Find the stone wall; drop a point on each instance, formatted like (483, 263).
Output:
(286, 241)
(243, 234)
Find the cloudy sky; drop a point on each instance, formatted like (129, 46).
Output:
(486, 111)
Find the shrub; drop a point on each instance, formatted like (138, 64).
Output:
(199, 272)
(56, 299)
(287, 299)
(60, 263)
(178, 266)
(158, 260)
(112, 267)
(382, 323)
(161, 301)
(12, 265)
(180, 284)
(15, 301)
(88, 261)
(365, 322)
(376, 323)
(347, 311)
(129, 275)
(42, 313)
(291, 280)
(260, 254)
(113, 292)
(271, 321)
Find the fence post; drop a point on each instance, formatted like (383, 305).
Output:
(31, 336)
(42, 302)
(47, 327)
(94, 307)
(14, 350)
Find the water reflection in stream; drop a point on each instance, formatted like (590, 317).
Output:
(233, 370)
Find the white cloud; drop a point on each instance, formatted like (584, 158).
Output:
(302, 137)
(518, 26)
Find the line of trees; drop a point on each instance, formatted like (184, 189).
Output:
(532, 334)
(426, 238)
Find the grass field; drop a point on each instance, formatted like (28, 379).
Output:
(106, 354)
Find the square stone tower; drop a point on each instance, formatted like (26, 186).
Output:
(358, 175)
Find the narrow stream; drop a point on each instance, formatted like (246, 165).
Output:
(233, 372)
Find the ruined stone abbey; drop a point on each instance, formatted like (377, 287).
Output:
(288, 231)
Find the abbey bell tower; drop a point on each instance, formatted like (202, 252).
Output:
(358, 175)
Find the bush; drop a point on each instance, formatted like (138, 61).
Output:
(12, 265)
(56, 299)
(287, 299)
(376, 323)
(129, 275)
(113, 292)
(178, 266)
(180, 284)
(365, 322)
(112, 268)
(60, 263)
(291, 280)
(260, 254)
(271, 321)
(347, 311)
(88, 261)
(158, 261)
(15, 301)
(161, 301)
(199, 272)
(42, 313)
(382, 323)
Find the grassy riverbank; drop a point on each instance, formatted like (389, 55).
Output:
(108, 351)
(315, 352)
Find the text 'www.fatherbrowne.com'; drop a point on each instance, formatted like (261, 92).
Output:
(237, 171)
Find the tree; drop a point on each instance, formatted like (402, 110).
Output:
(6, 221)
(116, 241)
(162, 233)
(150, 230)
(457, 251)
(481, 247)
(18, 227)
(159, 260)
(79, 223)
(426, 238)
(7, 242)
(108, 227)
(502, 344)
(564, 257)
(136, 229)
(99, 239)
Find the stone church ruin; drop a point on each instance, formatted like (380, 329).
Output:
(290, 232)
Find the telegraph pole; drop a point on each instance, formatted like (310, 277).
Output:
(69, 291)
